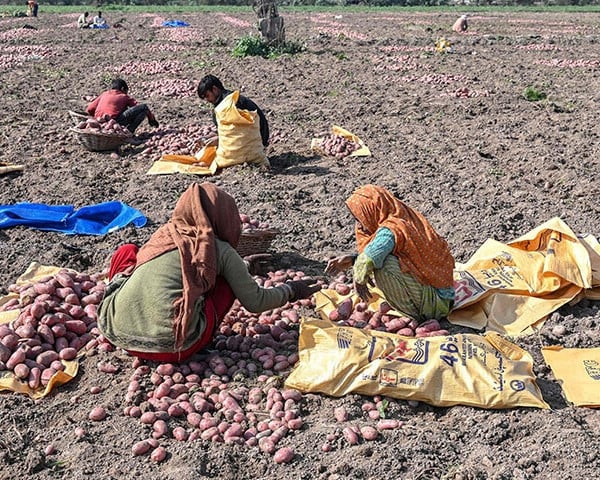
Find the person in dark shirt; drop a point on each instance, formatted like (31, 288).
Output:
(212, 90)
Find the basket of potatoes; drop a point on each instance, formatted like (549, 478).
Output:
(256, 236)
(101, 135)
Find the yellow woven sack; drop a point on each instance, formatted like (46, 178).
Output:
(202, 163)
(239, 134)
(512, 288)
(578, 371)
(8, 381)
(466, 369)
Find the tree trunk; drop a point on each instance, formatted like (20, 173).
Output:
(270, 24)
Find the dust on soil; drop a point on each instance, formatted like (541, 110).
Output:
(492, 165)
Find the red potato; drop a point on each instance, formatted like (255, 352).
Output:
(369, 433)
(345, 309)
(47, 357)
(180, 434)
(284, 455)
(428, 326)
(107, 367)
(158, 454)
(44, 287)
(64, 279)
(5, 353)
(21, 371)
(350, 436)
(340, 414)
(406, 332)
(47, 375)
(388, 424)
(97, 414)
(35, 378)
(396, 323)
(76, 326)
(68, 353)
(140, 448)
(18, 356)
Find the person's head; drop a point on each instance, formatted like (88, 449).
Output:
(222, 211)
(210, 89)
(85, 14)
(371, 205)
(119, 84)
(99, 14)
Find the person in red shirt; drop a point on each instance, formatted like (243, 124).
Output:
(115, 103)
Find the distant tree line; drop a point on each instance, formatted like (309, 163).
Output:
(333, 3)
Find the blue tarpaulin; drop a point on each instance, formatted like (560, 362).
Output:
(97, 219)
(175, 23)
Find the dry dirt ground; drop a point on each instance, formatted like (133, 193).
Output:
(487, 165)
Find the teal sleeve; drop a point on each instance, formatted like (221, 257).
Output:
(380, 247)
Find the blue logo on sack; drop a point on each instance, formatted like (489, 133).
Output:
(517, 385)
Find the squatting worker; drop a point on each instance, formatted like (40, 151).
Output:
(211, 90)
(165, 300)
(411, 264)
(461, 25)
(116, 103)
(83, 20)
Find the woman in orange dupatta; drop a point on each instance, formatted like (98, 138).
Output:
(398, 248)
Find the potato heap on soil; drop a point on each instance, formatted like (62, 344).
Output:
(338, 146)
(177, 140)
(105, 125)
(362, 315)
(233, 393)
(57, 319)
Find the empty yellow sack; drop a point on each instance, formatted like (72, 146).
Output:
(578, 371)
(463, 369)
(512, 288)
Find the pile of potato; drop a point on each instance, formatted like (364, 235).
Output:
(170, 87)
(150, 68)
(57, 319)
(360, 315)
(337, 146)
(232, 394)
(106, 125)
(250, 224)
(177, 140)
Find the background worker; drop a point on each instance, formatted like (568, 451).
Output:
(83, 20)
(116, 103)
(212, 90)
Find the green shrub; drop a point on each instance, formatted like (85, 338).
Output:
(252, 45)
(532, 94)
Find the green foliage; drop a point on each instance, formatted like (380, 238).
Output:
(383, 406)
(254, 46)
(250, 46)
(532, 94)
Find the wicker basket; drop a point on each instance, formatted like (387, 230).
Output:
(78, 117)
(255, 241)
(100, 142)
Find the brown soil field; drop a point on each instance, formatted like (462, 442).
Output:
(452, 134)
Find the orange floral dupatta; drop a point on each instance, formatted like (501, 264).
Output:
(419, 248)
